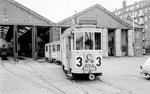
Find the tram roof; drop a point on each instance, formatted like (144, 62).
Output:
(69, 30)
(53, 42)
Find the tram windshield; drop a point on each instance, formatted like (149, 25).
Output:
(88, 41)
(79, 41)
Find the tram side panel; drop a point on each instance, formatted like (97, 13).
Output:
(63, 55)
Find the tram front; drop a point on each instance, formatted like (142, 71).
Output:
(87, 52)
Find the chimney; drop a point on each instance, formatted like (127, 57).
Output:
(124, 3)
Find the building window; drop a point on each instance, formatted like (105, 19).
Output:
(142, 4)
(126, 9)
(126, 15)
(145, 10)
(136, 20)
(141, 13)
(146, 26)
(120, 17)
(131, 8)
(138, 47)
(119, 12)
(146, 18)
(4, 17)
(137, 6)
(141, 21)
(135, 14)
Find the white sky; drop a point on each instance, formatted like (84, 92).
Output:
(57, 10)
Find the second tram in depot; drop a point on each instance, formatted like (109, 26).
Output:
(82, 50)
(53, 52)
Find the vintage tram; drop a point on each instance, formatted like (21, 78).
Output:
(81, 52)
(53, 52)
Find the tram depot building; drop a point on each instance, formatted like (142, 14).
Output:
(24, 32)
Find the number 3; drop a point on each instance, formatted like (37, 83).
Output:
(99, 61)
(79, 64)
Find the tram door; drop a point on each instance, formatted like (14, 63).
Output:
(68, 50)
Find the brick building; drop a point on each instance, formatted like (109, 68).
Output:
(139, 12)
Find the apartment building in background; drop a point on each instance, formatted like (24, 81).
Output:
(138, 12)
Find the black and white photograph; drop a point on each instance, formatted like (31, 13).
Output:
(74, 47)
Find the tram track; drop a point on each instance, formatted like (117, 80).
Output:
(75, 83)
(48, 82)
(80, 85)
(43, 83)
(94, 87)
(115, 86)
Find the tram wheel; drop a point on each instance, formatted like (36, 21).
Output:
(91, 76)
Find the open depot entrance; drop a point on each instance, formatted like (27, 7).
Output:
(24, 40)
(111, 42)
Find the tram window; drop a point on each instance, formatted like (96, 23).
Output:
(88, 40)
(58, 47)
(79, 41)
(72, 37)
(46, 48)
(49, 48)
(97, 41)
(69, 42)
(54, 49)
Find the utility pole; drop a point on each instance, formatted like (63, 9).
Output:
(133, 22)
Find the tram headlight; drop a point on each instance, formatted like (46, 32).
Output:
(89, 56)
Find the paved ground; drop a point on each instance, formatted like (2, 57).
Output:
(120, 76)
(125, 72)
